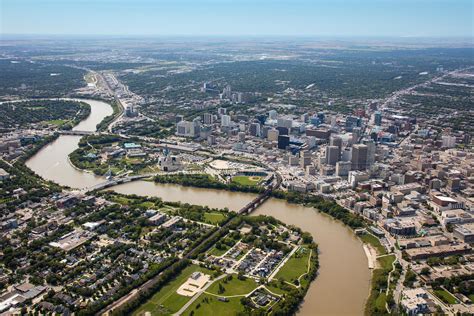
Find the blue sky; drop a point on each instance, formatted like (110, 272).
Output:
(423, 18)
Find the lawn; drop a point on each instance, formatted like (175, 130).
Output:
(471, 297)
(207, 305)
(381, 301)
(247, 180)
(213, 217)
(234, 286)
(56, 122)
(218, 252)
(295, 266)
(445, 296)
(375, 242)
(386, 262)
(167, 301)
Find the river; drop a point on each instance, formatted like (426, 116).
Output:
(342, 285)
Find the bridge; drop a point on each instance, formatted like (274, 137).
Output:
(261, 198)
(115, 181)
(76, 133)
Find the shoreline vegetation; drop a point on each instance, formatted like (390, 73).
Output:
(117, 111)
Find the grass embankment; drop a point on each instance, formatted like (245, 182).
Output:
(374, 242)
(376, 303)
(295, 267)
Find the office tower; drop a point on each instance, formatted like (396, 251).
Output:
(221, 111)
(211, 140)
(241, 137)
(343, 168)
(333, 121)
(333, 155)
(264, 131)
(283, 130)
(283, 122)
(227, 92)
(351, 122)
(254, 129)
(225, 120)
(305, 159)
(273, 135)
(378, 118)
(283, 141)
(196, 129)
(356, 132)
(272, 114)
(370, 151)
(335, 141)
(359, 157)
(207, 118)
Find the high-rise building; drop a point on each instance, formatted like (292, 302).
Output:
(359, 157)
(351, 122)
(241, 137)
(305, 117)
(305, 159)
(221, 111)
(272, 135)
(378, 118)
(333, 155)
(264, 131)
(335, 141)
(283, 130)
(283, 141)
(254, 129)
(207, 118)
(284, 122)
(225, 120)
(370, 151)
(272, 114)
(343, 168)
(448, 141)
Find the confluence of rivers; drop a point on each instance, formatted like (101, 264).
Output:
(342, 285)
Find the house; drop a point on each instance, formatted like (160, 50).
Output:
(4, 175)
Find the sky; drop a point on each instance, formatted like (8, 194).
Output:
(349, 18)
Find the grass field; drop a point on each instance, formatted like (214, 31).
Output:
(234, 286)
(372, 240)
(167, 301)
(445, 296)
(56, 122)
(247, 180)
(386, 262)
(295, 266)
(213, 217)
(218, 252)
(381, 301)
(207, 305)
